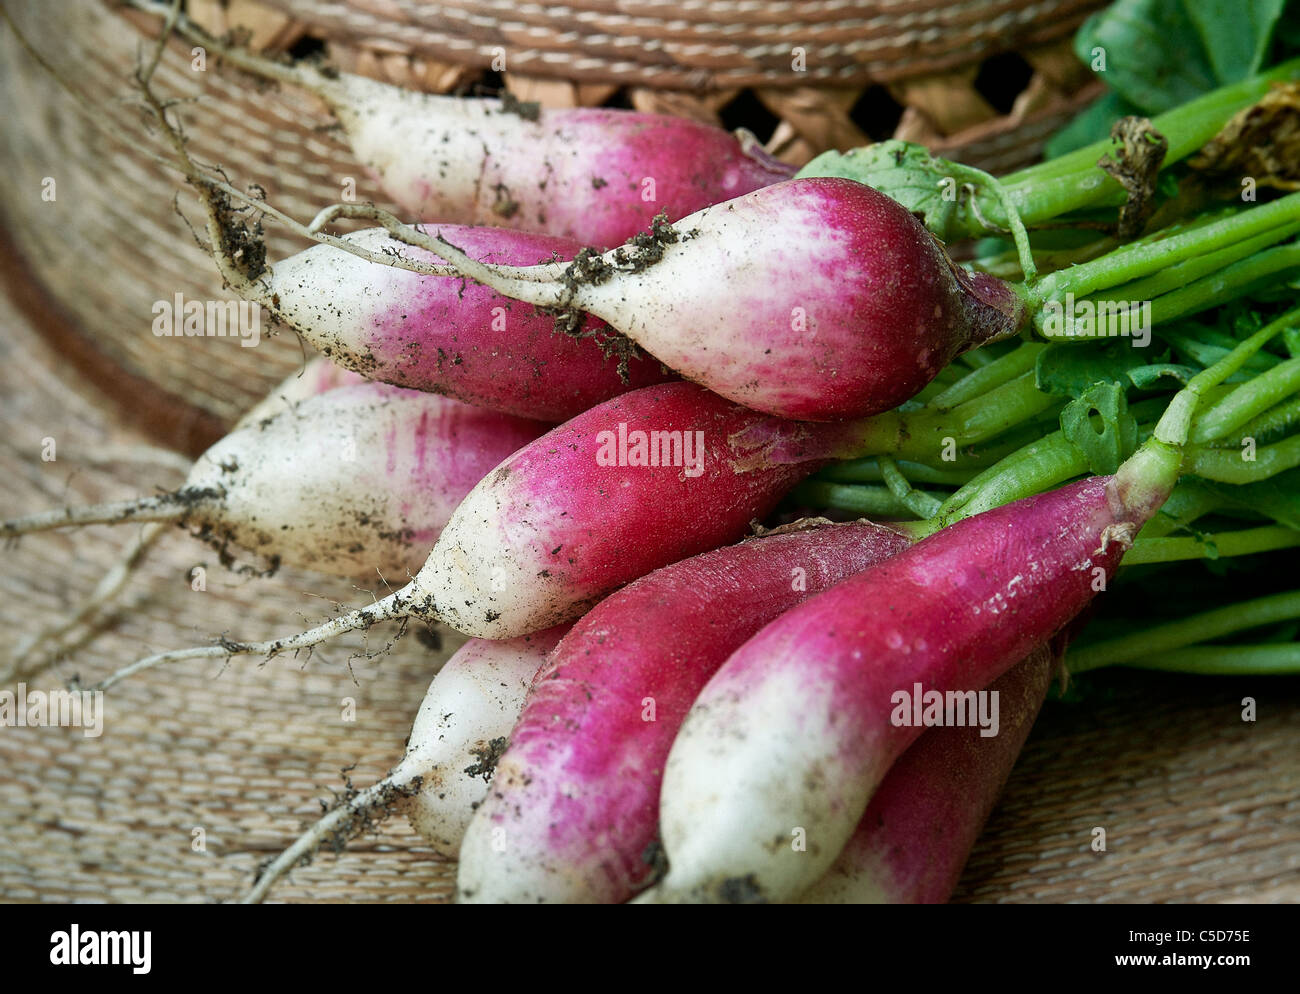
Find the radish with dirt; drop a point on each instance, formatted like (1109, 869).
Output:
(838, 303)
(448, 335)
(748, 773)
(573, 809)
(596, 174)
(915, 836)
(359, 478)
(460, 730)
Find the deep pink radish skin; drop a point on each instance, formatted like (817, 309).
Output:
(598, 175)
(577, 792)
(817, 299)
(838, 303)
(913, 840)
(953, 612)
(552, 530)
(450, 335)
(605, 173)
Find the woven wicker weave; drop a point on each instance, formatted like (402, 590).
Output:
(111, 245)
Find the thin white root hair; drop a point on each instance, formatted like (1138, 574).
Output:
(209, 185)
(307, 77)
(461, 264)
(206, 181)
(349, 819)
(396, 605)
(55, 638)
(164, 507)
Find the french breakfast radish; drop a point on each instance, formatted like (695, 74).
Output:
(609, 496)
(574, 805)
(361, 477)
(460, 729)
(591, 173)
(818, 299)
(914, 838)
(595, 174)
(641, 481)
(449, 335)
(35, 649)
(750, 775)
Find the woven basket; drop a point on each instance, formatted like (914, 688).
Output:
(92, 263)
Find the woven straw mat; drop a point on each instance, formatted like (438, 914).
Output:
(1198, 806)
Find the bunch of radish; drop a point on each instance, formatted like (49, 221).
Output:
(561, 406)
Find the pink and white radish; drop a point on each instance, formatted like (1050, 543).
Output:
(750, 775)
(37, 648)
(595, 174)
(460, 729)
(644, 480)
(574, 806)
(818, 299)
(464, 723)
(638, 482)
(914, 838)
(448, 335)
(753, 779)
(360, 478)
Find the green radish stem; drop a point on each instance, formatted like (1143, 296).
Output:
(1134, 648)
(1207, 347)
(1048, 462)
(920, 434)
(1147, 476)
(1074, 180)
(975, 359)
(1181, 275)
(1038, 466)
(1256, 272)
(1271, 425)
(1221, 545)
(1235, 410)
(921, 504)
(1018, 361)
(975, 179)
(1236, 660)
(1053, 460)
(867, 501)
(1232, 466)
(868, 471)
(1163, 249)
(1045, 192)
